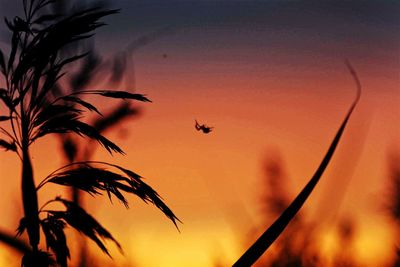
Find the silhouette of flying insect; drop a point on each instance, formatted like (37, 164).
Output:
(203, 128)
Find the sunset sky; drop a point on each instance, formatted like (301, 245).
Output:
(270, 77)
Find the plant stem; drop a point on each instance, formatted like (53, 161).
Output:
(29, 195)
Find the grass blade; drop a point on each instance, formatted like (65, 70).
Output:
(14, 242)
(8, 145)
(273, 232)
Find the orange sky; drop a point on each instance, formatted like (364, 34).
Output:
(213, 181)
(261, 100)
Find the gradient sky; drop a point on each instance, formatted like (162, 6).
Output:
(270, 77)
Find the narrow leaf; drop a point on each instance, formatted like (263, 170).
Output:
(89, 131)
(8, 145)
(69, 122)
(123, 95)
(22, 226)
(13, 242)
(273, 232)
(116, 94)
(147, 193)
(92, 180)
(81, 102)
(5, 118)
(51, 112)
(71, 59)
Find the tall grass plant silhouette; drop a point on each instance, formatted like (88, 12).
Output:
(37, 107)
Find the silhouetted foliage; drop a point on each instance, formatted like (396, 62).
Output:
(95, 68)
(300, 244)
(38, 106)
(273, 232)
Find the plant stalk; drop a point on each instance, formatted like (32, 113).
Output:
(29, 195)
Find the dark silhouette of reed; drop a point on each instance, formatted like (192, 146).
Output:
(38, 106)
(255, 251)
(297, 245)
(18, 245)
(300, 244)
(82, 77)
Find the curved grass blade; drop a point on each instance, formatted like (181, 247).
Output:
(8, 145)
(116, 94)
(13, 242)
(273, 232)
(5, 118)
(123, 95)
(147, 194)
(52, 112)
(83, 103)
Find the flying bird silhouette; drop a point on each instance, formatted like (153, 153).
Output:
(205, 129)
